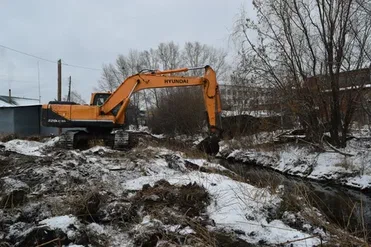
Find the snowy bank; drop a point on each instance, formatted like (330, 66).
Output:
(298, 160)
(237, 206)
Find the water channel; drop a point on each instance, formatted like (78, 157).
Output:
(347, 208)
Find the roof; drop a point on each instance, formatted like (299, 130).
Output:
(17, 101)
(347, 79)
(256, 113)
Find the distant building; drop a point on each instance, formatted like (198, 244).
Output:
(245, 99)
(22, 117)
(354, 89)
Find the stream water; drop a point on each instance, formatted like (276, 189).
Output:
(348, 208)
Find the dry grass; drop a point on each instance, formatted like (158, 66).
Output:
(338, 234)
(346, 164)
(7, 137)
(189, 200)
(299, 200)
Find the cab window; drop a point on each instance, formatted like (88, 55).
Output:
(100, 98)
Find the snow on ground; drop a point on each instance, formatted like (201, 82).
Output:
(59, 176)
(303, 161)
(29, 147)
(237, 206)
(144, 129)
(207, 164)
(60, 222)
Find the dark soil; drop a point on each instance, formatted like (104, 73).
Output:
(189, 200)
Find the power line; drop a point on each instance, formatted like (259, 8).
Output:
(78, 66)
(46, 60)
(11, 80)
(27, 54)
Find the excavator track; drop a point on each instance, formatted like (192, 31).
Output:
(67, 139)
(121, 140)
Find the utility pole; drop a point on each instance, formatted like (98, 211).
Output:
(38, 80)
(59, 93)
(69, 89)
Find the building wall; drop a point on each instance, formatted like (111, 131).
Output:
(23, 121)
(6, 121)
(27, 120)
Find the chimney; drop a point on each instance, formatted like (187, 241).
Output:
(10, 96)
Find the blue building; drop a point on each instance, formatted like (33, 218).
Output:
(22, 117)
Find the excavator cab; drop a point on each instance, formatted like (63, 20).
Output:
(98, 99)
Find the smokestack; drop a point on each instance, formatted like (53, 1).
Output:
(10, 96)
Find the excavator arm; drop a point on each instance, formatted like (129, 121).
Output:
(165, 79)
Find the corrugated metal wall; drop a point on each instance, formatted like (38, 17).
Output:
(23, 121)
(6, 121)
(27, 120)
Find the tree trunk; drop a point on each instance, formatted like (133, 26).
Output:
(335, 111)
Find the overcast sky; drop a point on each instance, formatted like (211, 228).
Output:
(90, 33)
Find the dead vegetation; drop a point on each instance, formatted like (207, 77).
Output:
(189, 200)
(309, 209)
(300, 207)
(182, 206)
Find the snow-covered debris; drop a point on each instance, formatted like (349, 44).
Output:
(25, 147)
(9, 185)
(12, 192)
(60, 222)
(206, 164)
(144, 129)
(98, 150)
(237, 206)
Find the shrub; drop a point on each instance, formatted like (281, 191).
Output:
(179, 111)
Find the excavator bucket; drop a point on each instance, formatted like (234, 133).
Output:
(210, 145)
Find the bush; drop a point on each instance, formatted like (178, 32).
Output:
(179, 111)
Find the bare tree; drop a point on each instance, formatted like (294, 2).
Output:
(109, 79)
(166, 56)
(295, 40)
(75, 97)
(195, 54)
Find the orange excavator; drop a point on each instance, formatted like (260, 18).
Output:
(104, 118)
